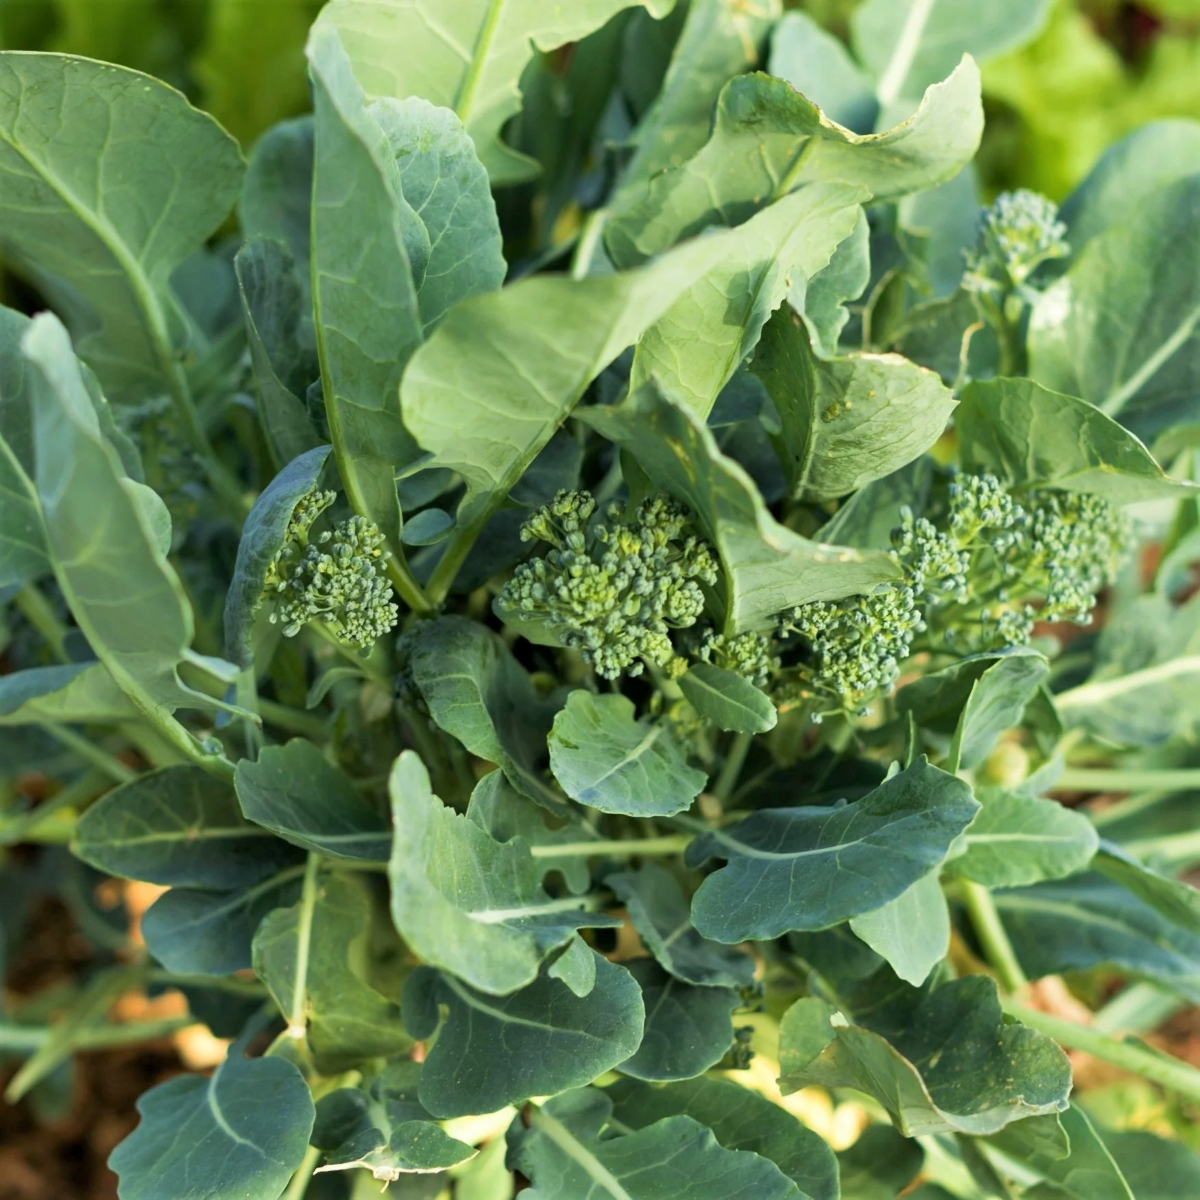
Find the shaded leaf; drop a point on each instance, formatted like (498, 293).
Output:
(880, 1165)
(276, 199)
(22, 543)
(179, 826)
(1176, 900)
(1155, 1168)
(812, 867)
(727, 700)
(821, 301)
(492, 1051)
(71, 692)
(912, 931)
(606, 759)
(467, 903)
(297, 793)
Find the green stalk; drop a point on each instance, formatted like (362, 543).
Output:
(89, 752)
(1104, 779)
(1108, 689)
(297, 1019)
(37, 610)
(1140, 1008)
(292, 720)
(1177, 847)
(79, 792)
(1168, 1072)
(303, 1175)
(731, 768)
(673, 843)
(28, 1039)
(997, 949)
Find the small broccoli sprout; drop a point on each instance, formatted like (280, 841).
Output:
(748, 654)
(335, 577)
(612, 589)
(1016, 235)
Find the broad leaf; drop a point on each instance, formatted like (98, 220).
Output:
(75, 137)
(179, 826)
(1076, 924)
(727, 700)
(469, 59)
(939, 1058)
(693, 350)
(741, 1119)
(22, 543)
(347, 1020)
(1176, 900)
(606, 759)
(237, 1135)
(477, 692)
(767, 567)
(262, 538)
(675, 1158)
(1120, 328)
(1030, 437)
(465, 902)
(194, 931)
(688, 1028)
(659, 912)
(72, 692)
(849, 421)
(814, 866)
(297, 793)
(492, 1051)
(276, 199)
(821, 301)
(912, 932)
(384, 1129)
(1018, 839)
(768, 140)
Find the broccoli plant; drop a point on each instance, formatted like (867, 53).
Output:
(609, 595)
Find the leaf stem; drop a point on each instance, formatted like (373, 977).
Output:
(1129, 1055)
(38, 611)
(298, 1019)
(989, 928)
(1175, 847)
(731, 768)
(672, 843)
(89, 752)
(28, 1039)
(457, 549)
(1107, 689)
(303, 1175)
(1105, 779)
(406, 587)
(292, 720)
(562, 1137)
(92, 783)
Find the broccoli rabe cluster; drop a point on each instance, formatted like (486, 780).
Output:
(335, 577)
(977, 580)
(1018, 233)
(612, 589)
(748, 654)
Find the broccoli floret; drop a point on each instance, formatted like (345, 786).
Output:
(336, 577)
(1016, 235)
(749, 654)
(613, 589)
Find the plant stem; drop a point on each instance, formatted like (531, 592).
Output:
(303, 1175)
(292, 720)
(1103, 779)
(1137, 802)
(1140, 1008)
(92, 783)
(37, 610)
(1107, 689)
(985, 920)
(672, 843)
(89, 752)
(27, 1039)
(731, 768)
(297, 1019)
(457, 549)
(589, 240)
(407, 588)
(1177, 847)
(1168, 1072)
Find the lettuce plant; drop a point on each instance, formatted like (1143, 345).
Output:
(576, 569)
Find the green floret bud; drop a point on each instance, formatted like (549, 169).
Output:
(748, 654)
(1018, 233)
(612, 589)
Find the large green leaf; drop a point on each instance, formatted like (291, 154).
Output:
(1121, 327)
(465, 902)
(938, 1058)
(468, 57)
(296, 792)
(912, 932)
(364, 295)
(605, 758)
(1028, 436)
(276, 199)
(814, 866)
(675, 1158)
(492, 1051)
(1018, 839)
(847, 422)
(237, 1135)
(768, 140)
(1079, 923)
(73, 692)
(347, 1020)
(741, 1120)
(693, 350)
(75, 137)
(477, 692)
(103, 531)
(659, 912)
(727, 700)
(179, 826)
(908, 44)
(488, 390)
(22, 543)
(767, 567)
(719, 39)
(262, 538)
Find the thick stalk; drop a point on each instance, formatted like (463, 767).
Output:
(303, 1175)
(672, 843)
(1104, 779)
(298, 1018)
(1108, 689)
(292, 720)
(37, 610)
(731, 768)
(997, 949)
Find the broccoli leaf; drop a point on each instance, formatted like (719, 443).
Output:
(492, 1051)
(1176, 900)
(606, 759)
(22, 542)
(939, 1058)
(727, 700)
(465, 902)
(912, 932)
(71, 692)
(812, 867)
(276, 200)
